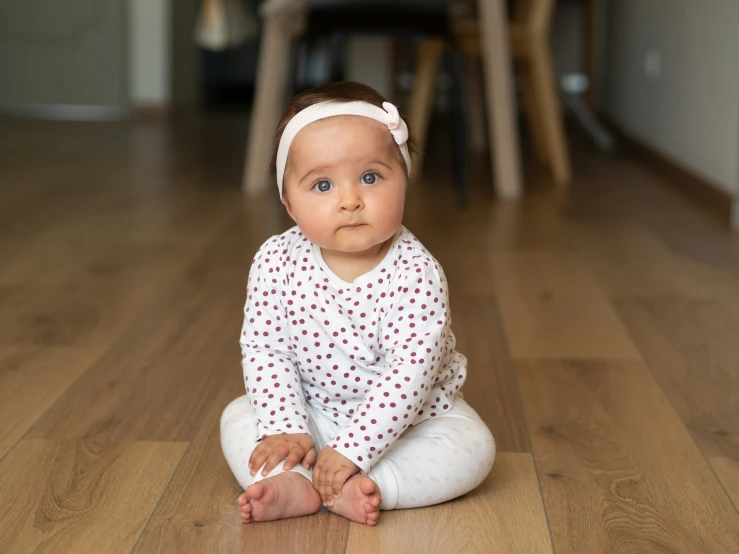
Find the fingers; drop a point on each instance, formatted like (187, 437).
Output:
(296, 453)
(310, 458)
(273, 459)
(340, 478)
(327, 492)
(257, 459)
(317, 476)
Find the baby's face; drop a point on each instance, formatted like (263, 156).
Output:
(344, 183)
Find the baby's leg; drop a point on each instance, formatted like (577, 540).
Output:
(440, 459)
(280, 494)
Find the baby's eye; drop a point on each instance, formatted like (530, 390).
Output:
(322, 186)
(369, 178)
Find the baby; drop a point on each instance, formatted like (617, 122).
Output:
(348, 354)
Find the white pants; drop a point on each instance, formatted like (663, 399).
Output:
(440, 459)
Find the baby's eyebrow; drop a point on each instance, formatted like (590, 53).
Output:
(320, 169)
(378, 161)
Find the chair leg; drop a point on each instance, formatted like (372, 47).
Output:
(271, 89)
(545, 88)
(422, 97)
(460, 127)
(504, 147)
(476, 105)
(533, 116)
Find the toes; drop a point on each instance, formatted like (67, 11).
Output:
(256, 491)
(243, 499)
(367, 486)
(375, 501)
(372, 508)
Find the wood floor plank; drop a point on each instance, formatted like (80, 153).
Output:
(31, 380)
(627, 259)
(723, 284)
(491, 387)
(504, 514)
(465, 274)
(198, 513)
(719, 249)
(158, 379)
(617, 189)
(81, 496)
(84, 299)
(727, 470)
(125, 249)
(69, 255)
(552, 308)
(618, 470)
(531, 224)
(691, 348)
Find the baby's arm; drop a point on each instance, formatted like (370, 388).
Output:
(270, 373)
(414, 332)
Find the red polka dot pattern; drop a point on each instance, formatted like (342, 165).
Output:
(377, 354)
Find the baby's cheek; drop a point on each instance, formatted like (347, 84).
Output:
(314, 225)
(390, 209)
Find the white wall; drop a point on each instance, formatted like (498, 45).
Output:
(691, 112)
(149, 52)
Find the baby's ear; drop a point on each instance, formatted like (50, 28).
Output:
(286, 203)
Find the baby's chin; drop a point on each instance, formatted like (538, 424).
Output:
(350, 246)
(351, 242)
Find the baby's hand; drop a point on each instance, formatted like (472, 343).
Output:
(276, 447)
(331, 472)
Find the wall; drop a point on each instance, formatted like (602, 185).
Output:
(63, 59)
(691, 112)
(149, 56)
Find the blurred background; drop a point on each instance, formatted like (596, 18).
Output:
(661, 72)
(579, 186)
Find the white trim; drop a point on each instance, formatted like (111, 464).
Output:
(69, 112)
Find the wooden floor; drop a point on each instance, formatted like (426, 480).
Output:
(600, 323)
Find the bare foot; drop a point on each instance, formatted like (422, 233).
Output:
(285, 495)
(360, 500)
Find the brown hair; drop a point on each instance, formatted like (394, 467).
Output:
(347, 91)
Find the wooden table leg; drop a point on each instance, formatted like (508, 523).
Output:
(271, 87)
(422, 98)
(504, 147)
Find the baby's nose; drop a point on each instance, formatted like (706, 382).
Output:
(350, 201)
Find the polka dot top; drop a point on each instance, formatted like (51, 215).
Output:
(376, 354)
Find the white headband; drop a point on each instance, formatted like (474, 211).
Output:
(388, 116)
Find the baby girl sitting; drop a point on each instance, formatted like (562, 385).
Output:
(348, 354)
